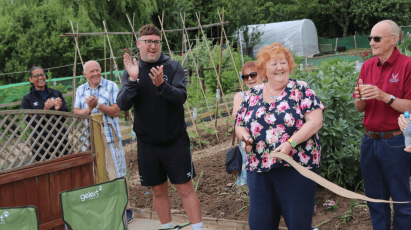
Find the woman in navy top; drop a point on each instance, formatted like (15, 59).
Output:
(42, 97)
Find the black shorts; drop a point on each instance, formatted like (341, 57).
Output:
(156, 163)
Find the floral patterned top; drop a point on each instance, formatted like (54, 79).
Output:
(271, 124)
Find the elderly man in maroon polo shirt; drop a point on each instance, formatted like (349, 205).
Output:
(384, 163)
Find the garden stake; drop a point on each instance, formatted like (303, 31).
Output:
(188, 107)
(132, 27)
(221, 54)
(162, 29)
(115, 63)
(212, 61)
(198, 77)
(195, 125)
(231, 54)
(75, 39)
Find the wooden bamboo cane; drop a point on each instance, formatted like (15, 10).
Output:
(115, 63)
(195, 125)
(75, 39)
(231, 54)
(212, 61)
(198, 78)
(162, 29)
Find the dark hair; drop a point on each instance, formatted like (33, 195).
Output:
(31, 73)
(149, 30)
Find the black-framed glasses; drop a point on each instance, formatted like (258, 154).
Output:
(149, 42)
(246, 77)
(38, 75)
(377, 38)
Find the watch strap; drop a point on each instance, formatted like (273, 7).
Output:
(391, 100)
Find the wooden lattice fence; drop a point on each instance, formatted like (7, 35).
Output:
(41, 154)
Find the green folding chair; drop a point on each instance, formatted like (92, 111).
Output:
(19, 218)
(101, 206)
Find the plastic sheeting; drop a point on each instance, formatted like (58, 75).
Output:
(299, 36)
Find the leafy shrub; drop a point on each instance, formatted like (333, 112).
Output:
(342, 127)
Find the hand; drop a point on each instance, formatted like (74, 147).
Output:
(357, 91)
(92, 101)
(157, 75)
(58, 104)
(49, 103)
(131, 67)
(247, 144)
(408, 149)
(284, 148)
(373, 92)
(402, 122)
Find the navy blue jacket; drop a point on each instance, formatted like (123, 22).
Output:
(158, 111)
(33, 100)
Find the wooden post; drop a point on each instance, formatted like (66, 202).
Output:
(355, 39)
(221, 53)
(232, 58)
(74, 77)
(216, 113)
(401, 34)
(99, 149)
(111, 69)
(336, 44)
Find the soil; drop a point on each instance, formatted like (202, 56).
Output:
(220, 197)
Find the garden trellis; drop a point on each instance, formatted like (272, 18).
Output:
(187, 53)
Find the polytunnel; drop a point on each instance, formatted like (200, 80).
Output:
(299, 36)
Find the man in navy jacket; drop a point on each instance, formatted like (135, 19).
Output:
(155, 86)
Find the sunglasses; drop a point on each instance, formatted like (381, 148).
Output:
(252, 75)
(377, 38)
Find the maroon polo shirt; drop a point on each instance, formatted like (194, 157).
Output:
(392, 77)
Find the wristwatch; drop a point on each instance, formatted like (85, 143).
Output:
(391, 100)
(292, 142)
(98, 105)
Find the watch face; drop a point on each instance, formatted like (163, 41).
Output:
(393, 97)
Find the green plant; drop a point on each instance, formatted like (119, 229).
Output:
(342, 125)
(347, 216)
(195, 184)
(245, 196)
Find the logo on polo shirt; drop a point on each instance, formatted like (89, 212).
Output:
(35, 103)
(394, 78)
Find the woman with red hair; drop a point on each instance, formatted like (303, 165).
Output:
(281, 115)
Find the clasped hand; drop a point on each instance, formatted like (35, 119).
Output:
(92, 101)
(57, 103)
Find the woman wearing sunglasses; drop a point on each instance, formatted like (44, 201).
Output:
(42, 97)
(281, 115)
(251, 78)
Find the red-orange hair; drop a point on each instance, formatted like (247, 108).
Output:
(249, 64)
(270, 52)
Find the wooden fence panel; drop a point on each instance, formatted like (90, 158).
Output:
(19, 193)
(44, 198)
(7, 195)
(25, 180)
(86, 174)
(32, 193)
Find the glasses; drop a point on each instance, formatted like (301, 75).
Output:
(38, 75)
(377, 38)
(246, 77)
(149, 42)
